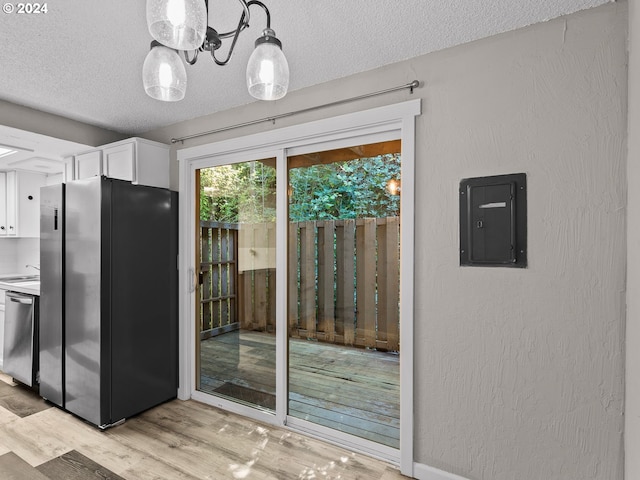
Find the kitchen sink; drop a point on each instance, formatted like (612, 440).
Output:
(20, 279)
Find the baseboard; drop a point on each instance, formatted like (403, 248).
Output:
(425, 472)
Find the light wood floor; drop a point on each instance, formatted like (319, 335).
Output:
(352, 390)
(177, 440)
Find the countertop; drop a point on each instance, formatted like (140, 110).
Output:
(31, 287)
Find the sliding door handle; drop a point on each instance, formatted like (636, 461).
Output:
(192, 280)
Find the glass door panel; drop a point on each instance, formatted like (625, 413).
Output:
(236, 294)
(343, 284)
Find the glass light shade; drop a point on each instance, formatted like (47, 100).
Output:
(267, 70)
(178, 24)
(163, 75)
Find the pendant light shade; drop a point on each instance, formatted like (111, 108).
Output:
(163, 74)
(177, 24)
(180, 27)
(268, 70)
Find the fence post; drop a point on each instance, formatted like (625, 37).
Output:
(308, 279)
(271, 279)
(233, 276)
(326, 279)
(292, 280)
(366, 283)
(388, 309)
(345, 256)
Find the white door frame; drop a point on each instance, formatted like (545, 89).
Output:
(399, 118)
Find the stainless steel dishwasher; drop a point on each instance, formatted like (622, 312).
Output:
(21, 337)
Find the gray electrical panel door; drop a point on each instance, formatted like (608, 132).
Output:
(493, 221)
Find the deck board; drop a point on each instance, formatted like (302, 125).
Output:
(354, 390)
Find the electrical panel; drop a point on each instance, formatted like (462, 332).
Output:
(493, 221)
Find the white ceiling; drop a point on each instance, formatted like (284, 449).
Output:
(83, 58)
(35, 152)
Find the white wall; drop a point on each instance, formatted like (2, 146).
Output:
(16, 253)
(519, 372)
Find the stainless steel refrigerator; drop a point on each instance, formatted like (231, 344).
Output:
(108, 306)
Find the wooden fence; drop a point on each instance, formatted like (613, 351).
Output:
(218, 278)
(342, 283)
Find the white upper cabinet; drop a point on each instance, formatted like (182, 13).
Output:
(136, 160)
(20, 203)
(118, 161)
(88, 164)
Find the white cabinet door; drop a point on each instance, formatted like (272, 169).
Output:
(20, 203)
(28, 202)
(88, 164)
(120, 162)
(12, 211)
(3, 204)
(152, 163)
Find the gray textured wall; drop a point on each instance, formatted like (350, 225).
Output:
(521, 371)
(632, 370)
(24, 118)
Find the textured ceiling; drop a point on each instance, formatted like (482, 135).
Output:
(83, 58)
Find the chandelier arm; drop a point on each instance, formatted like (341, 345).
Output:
(264, 7)
(193, 60)
(244, 21)
(241, 25)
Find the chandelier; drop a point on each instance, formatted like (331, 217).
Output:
(182, 26)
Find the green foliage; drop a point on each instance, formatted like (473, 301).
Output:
(350, 189)
(245, 192)
(241, 192)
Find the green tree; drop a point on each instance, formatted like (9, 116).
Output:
(238, 192)
(245, 192)
(349, 189)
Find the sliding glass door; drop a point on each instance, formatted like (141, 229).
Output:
(299, 248)
(343, 285)
(236, 295)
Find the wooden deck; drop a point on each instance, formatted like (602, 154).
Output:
(353, 390)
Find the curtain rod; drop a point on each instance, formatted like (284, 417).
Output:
(411, 86)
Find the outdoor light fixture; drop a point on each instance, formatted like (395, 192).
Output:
(394, 186)
(181, 26)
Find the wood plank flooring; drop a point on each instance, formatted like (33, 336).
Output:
(353, 390)
(177, 440)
